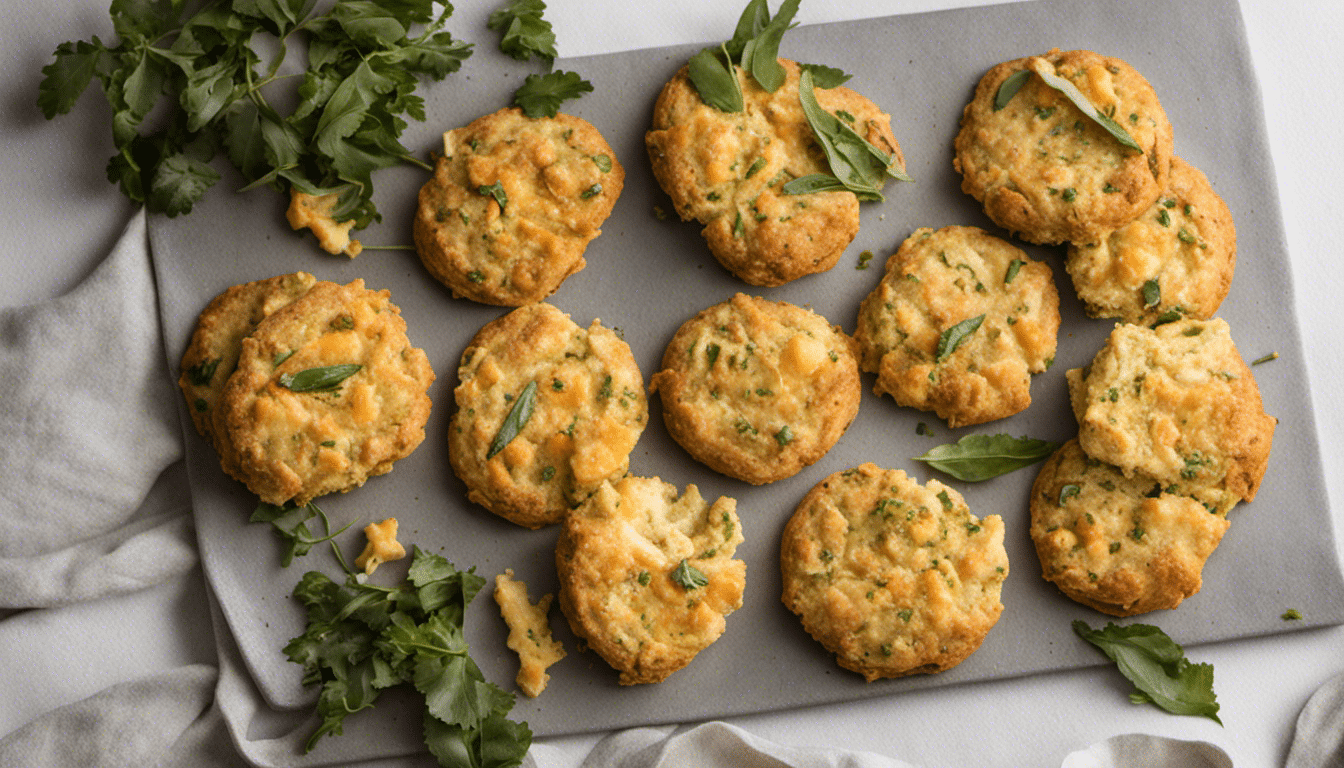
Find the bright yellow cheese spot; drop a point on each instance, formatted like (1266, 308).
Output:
(314, 212)
(382, 547)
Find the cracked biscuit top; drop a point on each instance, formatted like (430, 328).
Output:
(1046, 171)
(727, 171)
(513, 204)
(958, 325)
(546, 412)
(1175, 403)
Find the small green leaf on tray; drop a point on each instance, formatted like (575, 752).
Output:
(954, 336)
(1042, 67)
(516, 420)
(291, 524)
(541, 95)
(974, 458)
(324, 379)
(688, 576)
(1157, 666)
(523, 31)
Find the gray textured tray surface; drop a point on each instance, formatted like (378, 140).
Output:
(646, 276)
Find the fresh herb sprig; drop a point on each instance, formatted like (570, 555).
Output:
(974, 458)
(1157, 666)
(952, 338)
(291, 525)
(362, 639)
(515, 420)
(205, 73)
(541, 95)
(523, 31)
(1014, 82)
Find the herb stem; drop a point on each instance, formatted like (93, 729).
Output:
(413, 160)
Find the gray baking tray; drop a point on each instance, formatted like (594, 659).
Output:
(647, 275)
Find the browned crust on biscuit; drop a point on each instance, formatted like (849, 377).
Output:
(561, 180)
(892, 577)
(1176, 403)
(726, 171)
(1122, 545)
(294, 446)
(757, 389)
(590, 411)
(937, 279)
(1045, 171)
(615, 558)
(1185, 243)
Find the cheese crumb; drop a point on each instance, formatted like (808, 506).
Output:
(529, 632)
(382, 547)
(314, 212)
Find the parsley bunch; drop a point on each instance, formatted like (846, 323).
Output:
(204, 77)
(363, 638)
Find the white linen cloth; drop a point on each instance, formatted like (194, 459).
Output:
(94, 503)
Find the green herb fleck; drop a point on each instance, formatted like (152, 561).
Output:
(952, 338)
(1292, 614)
(1014, 267)
(1068, 492)
(596, 189)
(1266, 358)
(515, 420)
(496, 191)
(688, 576)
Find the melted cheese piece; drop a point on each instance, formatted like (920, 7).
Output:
(382, 546)
(529, 632)
(314, 213)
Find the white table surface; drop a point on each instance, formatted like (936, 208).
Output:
(62, 217)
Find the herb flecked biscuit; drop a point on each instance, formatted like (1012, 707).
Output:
(328, 392)
(1178, 256)
(893, 577)
(1175, 403)
(647, 576)
(915, 328)
(1122, 545)
(758, 389)
(513, 204)
(1046, 171)
(212, 354)
(726, 171)
(546, 412)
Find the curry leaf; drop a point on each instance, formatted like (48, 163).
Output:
(974, 458)
(1042, 67)
(323, 379)
(515, 420)
(1157, 666)
(954, 336)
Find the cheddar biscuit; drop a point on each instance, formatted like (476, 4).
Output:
(546, 412)
(958, 324)
(212, 354)
(1122, 545)
(1175, 403)
(727, 171)
(1046, 171)
(1177, 256)
(758, 389)
(893, 577)
(647, 576)
(327, 393)
(513, 204)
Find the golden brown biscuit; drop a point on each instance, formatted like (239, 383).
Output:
(1178, 256)
(726, 171)
(1122, 545)
(892, 577)
(1175, 403)
(212, 354)
(758, 389)
(546, 412)
(1047, 172)
(913, 329)
(647, 577)
(327, 393)
(513, 205)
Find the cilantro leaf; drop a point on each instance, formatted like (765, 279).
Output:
(179, 181)
(68, 76)
(1157, 666)
(524, 33)
(541, 95)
